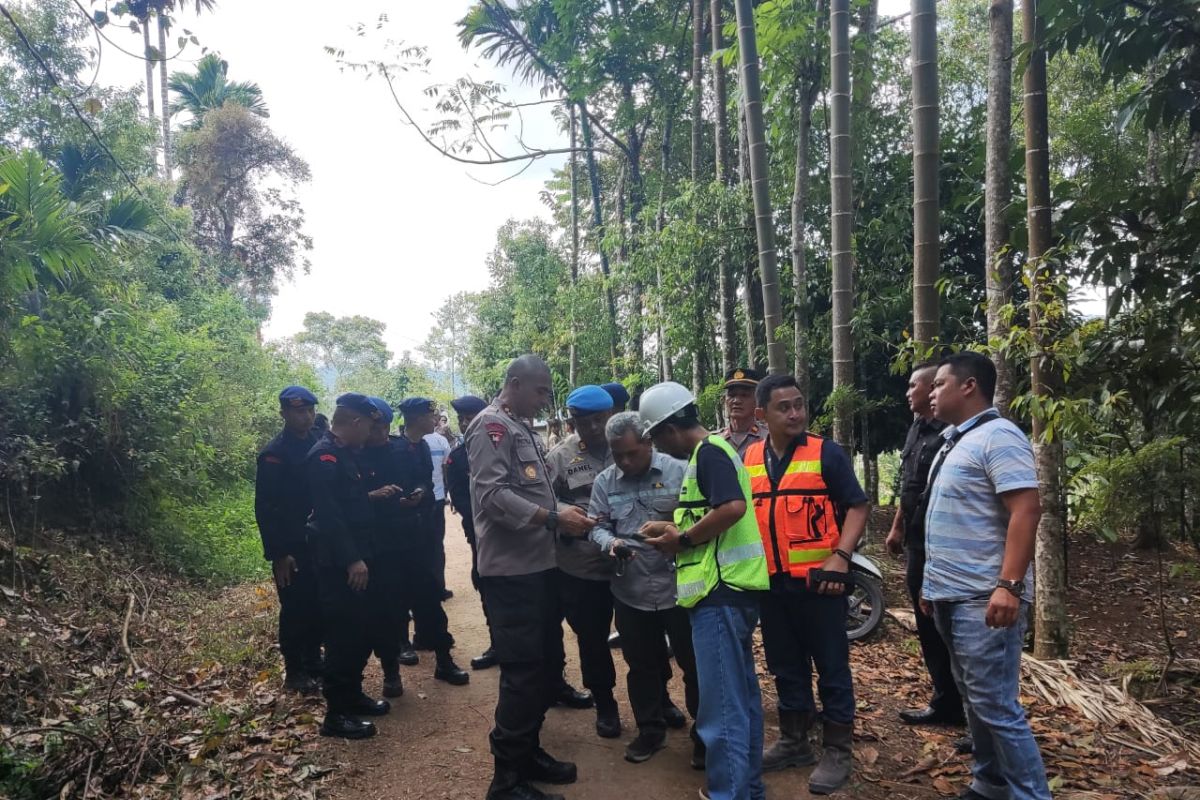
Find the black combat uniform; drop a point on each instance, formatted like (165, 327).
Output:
(281, 508)
(923, 442)
(458, 486)
(403, 551)
(344, 523)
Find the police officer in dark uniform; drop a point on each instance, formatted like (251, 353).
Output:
(458, 485)
(619, 395)
(281, 508)
(423, 570)
(908, 533)
(344, 524)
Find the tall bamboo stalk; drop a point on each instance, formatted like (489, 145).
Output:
(1051, 635)
(728, 333)
(998, 190)
(925, 172)
(842, 268)
(764, 223)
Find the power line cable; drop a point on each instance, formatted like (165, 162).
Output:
(79, 114)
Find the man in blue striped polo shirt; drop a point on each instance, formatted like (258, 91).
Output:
(981, 518)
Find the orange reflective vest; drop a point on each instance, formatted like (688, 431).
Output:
(796, 517)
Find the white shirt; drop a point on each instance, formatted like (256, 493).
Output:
(439, 448)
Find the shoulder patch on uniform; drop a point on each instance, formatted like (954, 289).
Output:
(330, 457)
(496, 431)
(272, 459)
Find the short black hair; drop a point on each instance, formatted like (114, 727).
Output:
(770, 384)
(970, 364)
(924, 365)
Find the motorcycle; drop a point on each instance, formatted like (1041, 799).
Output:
(865, 604)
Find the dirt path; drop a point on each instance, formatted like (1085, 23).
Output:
(434, 743)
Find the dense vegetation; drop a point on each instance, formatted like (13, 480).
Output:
(669, 224)
(134, 390)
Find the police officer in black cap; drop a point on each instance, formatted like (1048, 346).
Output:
(458, 485)
(344, 523)
(281, 508)
(424, 570)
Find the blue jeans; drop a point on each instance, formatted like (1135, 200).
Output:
(986, 663)
(801, 629)
(730, 721)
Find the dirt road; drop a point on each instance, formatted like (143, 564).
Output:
(434, 743)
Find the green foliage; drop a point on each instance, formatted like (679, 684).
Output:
(208, 88)
(134, 390)
(1132, 493)
(215, 539)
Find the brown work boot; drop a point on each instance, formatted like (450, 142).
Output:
(793, 748)
(837, 759)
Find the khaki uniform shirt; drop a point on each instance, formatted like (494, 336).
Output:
(573, 470)
(509, 483)
(742, 441)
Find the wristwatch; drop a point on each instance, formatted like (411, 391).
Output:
(1015, 588)
(686, 541)
(552, 520)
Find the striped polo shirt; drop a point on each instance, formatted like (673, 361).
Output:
(966, 522)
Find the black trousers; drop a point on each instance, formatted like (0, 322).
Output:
(345, 615)
(946, 699)
(410, 584)
(437, 525)
(524, 611)
(588, 608)
(645, 650)
(300, 618)
(469, 529)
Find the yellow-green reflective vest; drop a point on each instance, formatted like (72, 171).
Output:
(734, 558)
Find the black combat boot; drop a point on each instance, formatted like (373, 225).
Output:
(393, 686)
(446, 670)
(366, 706)
(344, 726)
(608, 718)
(485, 660)
(545, 768)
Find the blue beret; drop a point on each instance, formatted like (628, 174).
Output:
(618, 393)
(296, 396)
(589, 399)
(384, 409)
(469, 405)
(359, 404)
(412, 406)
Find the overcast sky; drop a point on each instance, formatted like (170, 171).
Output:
(396, 227)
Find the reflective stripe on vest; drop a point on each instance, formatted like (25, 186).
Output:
(796, 517)
(735, 558)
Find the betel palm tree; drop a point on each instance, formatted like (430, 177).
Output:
(47, 237)
(162, 9)
(209, 88)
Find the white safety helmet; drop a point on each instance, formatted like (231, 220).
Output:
(661, 402)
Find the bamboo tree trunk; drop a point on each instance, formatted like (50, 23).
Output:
(585, 128)
(573, 364)
(1050, 617)
(764, 223)
(799, 255)
(751, 295)
(840, 210)
(148, 63)
(925, 174)
(728, 331)
(700, 273)
(660, 221)
(162, 86)
(998, 191)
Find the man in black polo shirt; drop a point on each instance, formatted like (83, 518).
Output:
(908, 533)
